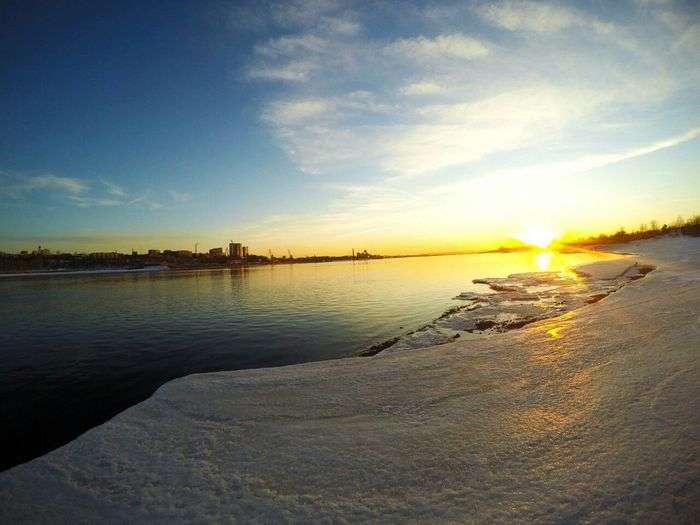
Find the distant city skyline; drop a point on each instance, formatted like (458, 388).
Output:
(317, 126)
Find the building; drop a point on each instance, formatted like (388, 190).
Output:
(104, 255)
(153, 253)
(216, 252)
(235, 250)
(245, 252)
(183, 253)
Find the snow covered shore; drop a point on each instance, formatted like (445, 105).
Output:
(592, 416)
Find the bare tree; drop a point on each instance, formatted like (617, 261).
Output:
(654, 225)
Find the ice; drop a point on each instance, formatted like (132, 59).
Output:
(592, 416)
(521, 299)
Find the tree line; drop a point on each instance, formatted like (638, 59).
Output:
(649, 230)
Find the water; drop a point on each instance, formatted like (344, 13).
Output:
(75, 350)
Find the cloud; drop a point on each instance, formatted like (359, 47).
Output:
(180, 197)
(304, 13)
(115, 197)
(326, 133)
(323, 134)
(16, 185)
(297, 71)
(450, 46)
(460, 133)
(113, 189)
(89, 202)
(688, 34)
(293, 112)
(77, 192)
(357, 105)
(530, 16)
(339, 25)
(590, 162)
(145, 201)
(323, 30)
(287, 46)
(259, 17)
(551, 171)
(422, 88)
(52, 182)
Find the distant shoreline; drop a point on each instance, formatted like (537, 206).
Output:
(309, 260)
(102, 271)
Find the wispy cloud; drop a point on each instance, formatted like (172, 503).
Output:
(531, 16)
(16, 185)
(113, 189)
(446, 98)
(422, 88)
(89, 202)
(459, 133)
(292, 72)
(450, 46)
(321, 30)
(590, 162)
(292, 112)
(179, 197)
(145, 201)
(305, 13)
(78, 192)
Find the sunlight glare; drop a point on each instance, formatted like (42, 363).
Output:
(540, 237)
(543, 260)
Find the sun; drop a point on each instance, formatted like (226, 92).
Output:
(540, 237)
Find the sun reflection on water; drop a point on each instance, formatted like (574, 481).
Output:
(543, 260)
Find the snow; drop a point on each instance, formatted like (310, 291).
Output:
(591, 416)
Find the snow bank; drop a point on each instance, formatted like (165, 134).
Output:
(592, 416)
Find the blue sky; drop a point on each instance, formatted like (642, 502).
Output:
(323, 125)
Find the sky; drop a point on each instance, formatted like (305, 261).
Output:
(320, 126)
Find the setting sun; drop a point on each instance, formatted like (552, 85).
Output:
(540, 237)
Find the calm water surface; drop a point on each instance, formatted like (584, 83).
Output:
(75, 350)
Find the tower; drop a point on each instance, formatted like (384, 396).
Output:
(235, 250)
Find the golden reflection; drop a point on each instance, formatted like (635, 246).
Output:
(554, 332)
(568, 402)
(568, 272)
(543, 260)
